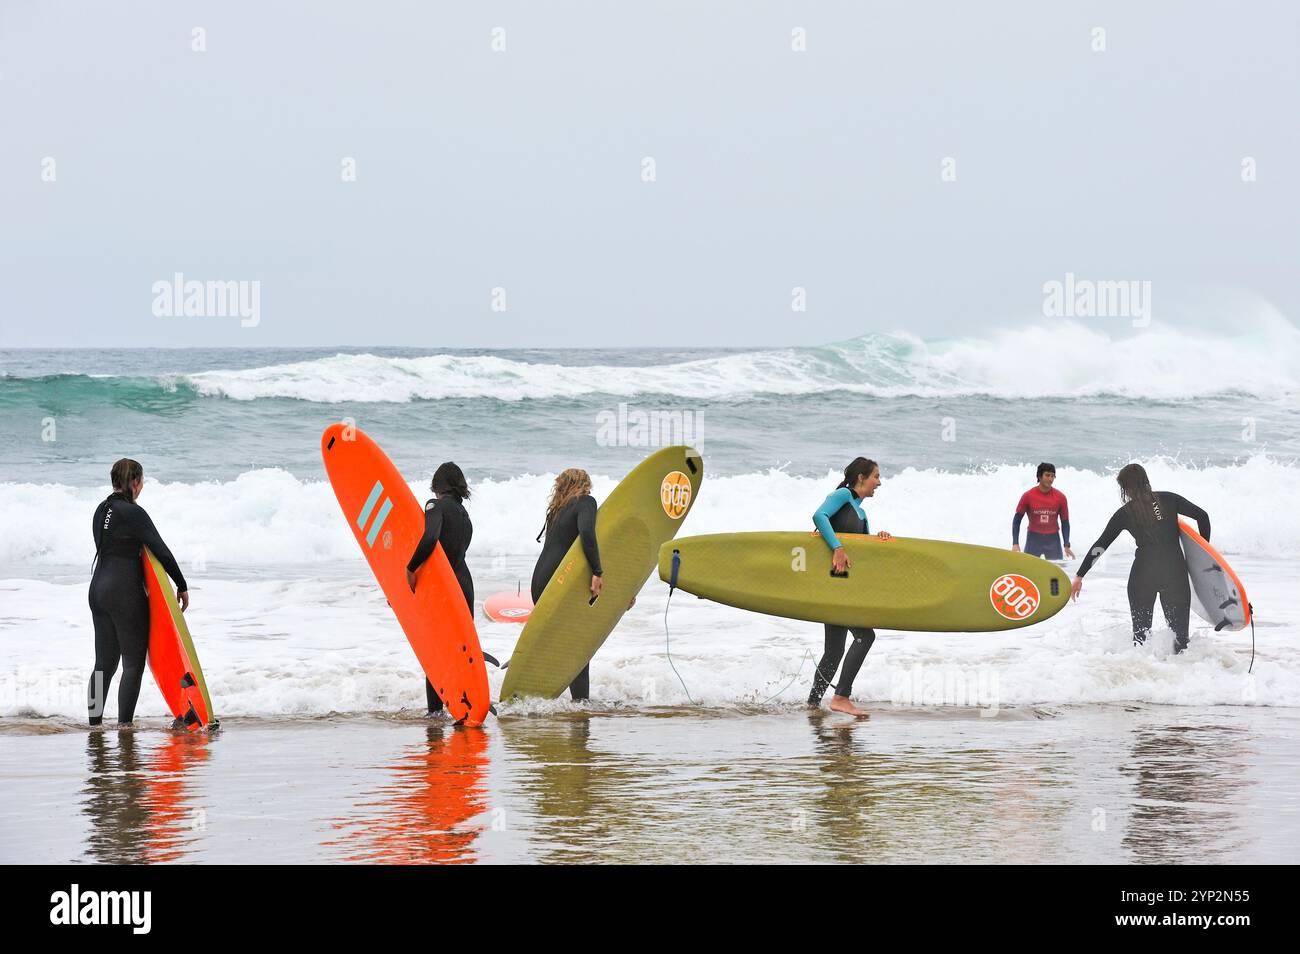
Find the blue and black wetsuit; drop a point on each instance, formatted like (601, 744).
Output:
(119, 605)
(446, 521)
(842, 512)
(576, 520)
(1159, 567)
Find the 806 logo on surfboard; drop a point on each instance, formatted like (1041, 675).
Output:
(1014, 596)
(675, 494)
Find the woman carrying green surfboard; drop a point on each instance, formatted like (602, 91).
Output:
(570, 515)
(842, 512)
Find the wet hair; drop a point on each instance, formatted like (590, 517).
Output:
(1135, 490)
(1045, 468)
(861, 467)
(448, 479)
(569, 486)
(124, 475)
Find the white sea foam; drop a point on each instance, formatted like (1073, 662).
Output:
(309, 647)
(269, 517)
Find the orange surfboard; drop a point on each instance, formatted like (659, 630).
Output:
(387, 522)
(172, 657)
(1217, 594)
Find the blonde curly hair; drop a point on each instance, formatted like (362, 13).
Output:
(569, 486)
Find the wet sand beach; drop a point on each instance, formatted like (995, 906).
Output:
(1085, 784)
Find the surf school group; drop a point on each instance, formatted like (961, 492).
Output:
(595, 559)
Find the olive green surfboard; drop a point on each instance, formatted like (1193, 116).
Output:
(566, 627)
(900, 584)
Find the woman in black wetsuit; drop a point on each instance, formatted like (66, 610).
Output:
(119, 606)
(447, 522)
(570, 515)
(1159, 567)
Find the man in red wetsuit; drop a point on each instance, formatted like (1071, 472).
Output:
(1046, 507)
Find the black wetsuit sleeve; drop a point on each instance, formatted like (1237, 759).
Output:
(1015, 527)
(432, 530)
(149, 536)
(1189, 509)
(587, 533)
(1065, 531)
(97, 527)
(1104, 541)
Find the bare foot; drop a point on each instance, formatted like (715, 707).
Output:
(845, 705)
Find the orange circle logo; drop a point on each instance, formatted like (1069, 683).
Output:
(675, 494)
(1014, 596)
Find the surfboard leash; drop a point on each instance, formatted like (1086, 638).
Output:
(807, 653)
(672, 585)
(668, 650)
(1252, 638)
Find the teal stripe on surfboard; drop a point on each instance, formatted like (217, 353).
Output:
(379, 521)
(370, 504)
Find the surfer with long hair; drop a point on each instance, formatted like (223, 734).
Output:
(842, 512)
(1159, 567)
(119, 607)
(570, 515)
(447, 522)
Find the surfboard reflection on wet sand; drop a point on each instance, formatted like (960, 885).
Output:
(1084, 784)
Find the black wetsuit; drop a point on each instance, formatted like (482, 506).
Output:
(447, 522)
(577, 519)
(119, 605)
(1159, 567)
(845, 520)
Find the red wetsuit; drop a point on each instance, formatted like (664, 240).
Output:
(1043, 510)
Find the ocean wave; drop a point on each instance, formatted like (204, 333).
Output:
(1057, 359)
(269, 517)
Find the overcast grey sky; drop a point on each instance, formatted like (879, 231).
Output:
(522, 168)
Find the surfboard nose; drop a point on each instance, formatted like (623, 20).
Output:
(330, 437)
(694, 461)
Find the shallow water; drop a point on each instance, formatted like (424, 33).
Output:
(1087, 784)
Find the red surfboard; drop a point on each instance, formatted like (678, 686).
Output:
(172, 657)
(387, 522)
(508, 607)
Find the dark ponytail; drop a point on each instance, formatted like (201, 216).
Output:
(861, 467)
(124, 475)
(448, 479)
(1135, 489)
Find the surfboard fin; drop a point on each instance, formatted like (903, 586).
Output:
(488, 657)
(187, 680)
(192, 717)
